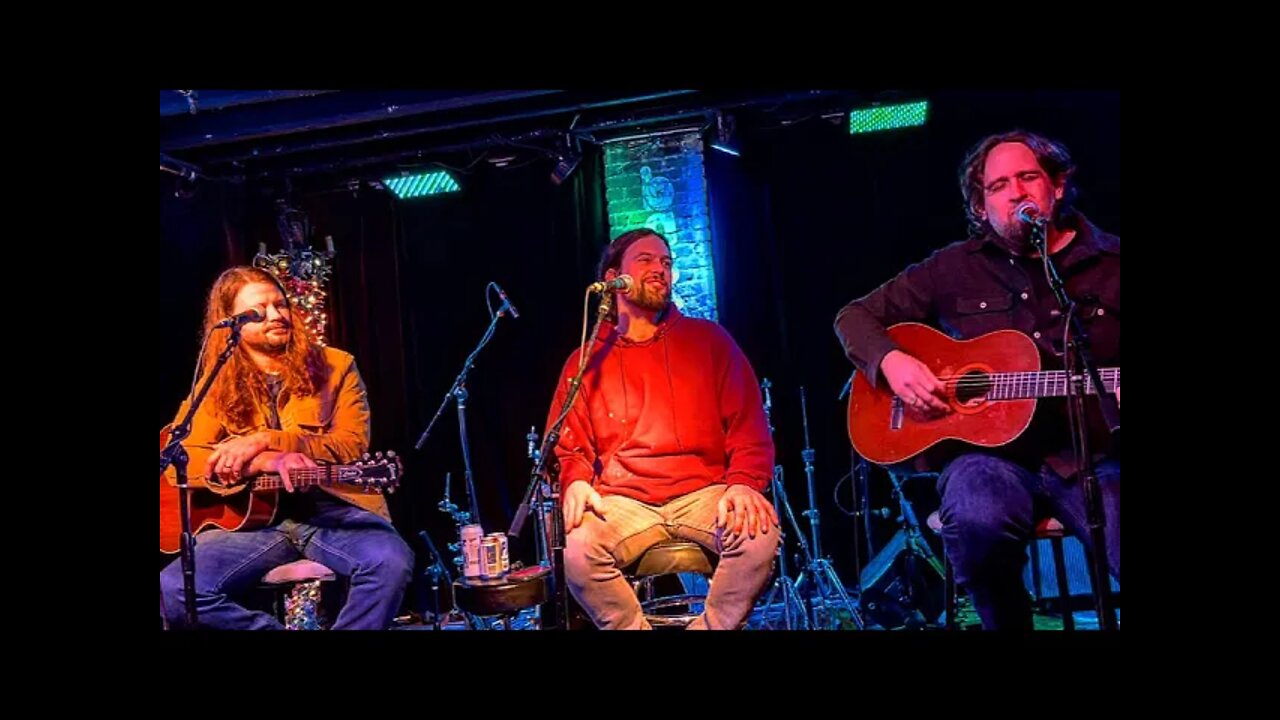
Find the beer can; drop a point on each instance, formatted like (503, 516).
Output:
(490, 558)
(503, 551)
(471, 537)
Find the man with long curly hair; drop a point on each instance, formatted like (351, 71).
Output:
(283, 403)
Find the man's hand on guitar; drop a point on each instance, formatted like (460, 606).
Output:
(915, 383)
(231, 460)
(284, 462)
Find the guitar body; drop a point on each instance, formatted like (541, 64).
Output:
(239, 510)
(253, 505)
(883, 431)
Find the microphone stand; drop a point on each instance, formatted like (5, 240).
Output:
(176, 455)
(1083, 375)
(458, 392)
(860, 486)
(793, 607)
(540, 484)
(818, 569)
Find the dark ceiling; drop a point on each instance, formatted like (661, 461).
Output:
(333, 136)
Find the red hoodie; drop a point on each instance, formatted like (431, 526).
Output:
(662, 418)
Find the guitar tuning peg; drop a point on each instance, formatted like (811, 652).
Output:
(391, 454)
(365, 456)
(379, 455)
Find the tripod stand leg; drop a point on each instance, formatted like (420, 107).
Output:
(768, 603)
(799, 614)
(845, 599)
(794, 613)
(793, 608)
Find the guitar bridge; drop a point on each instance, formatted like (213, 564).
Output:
(896, 410)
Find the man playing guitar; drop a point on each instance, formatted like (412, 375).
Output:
(920, 387)
(281, 404)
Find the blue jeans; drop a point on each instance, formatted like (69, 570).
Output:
(989, 511)
(351, 541)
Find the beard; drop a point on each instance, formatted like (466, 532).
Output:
(1014, 237)
(649, 299)
(270, 344)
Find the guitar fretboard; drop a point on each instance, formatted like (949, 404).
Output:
(1045, 383)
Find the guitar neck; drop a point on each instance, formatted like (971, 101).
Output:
(302, 477)
(1045, 383)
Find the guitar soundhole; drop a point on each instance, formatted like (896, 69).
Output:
(973, 388)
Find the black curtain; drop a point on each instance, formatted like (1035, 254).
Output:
(808, 218)
(811, 217)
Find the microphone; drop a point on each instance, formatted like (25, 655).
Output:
(507, 301)
(622, 282)
(1029, 212)
(248, 316)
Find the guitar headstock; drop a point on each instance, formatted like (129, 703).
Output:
(374, 472)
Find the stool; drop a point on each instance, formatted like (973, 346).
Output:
(667, 558)
(297, 593)
(503, 597)
(1047, 529)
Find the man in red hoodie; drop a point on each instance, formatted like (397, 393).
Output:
(666, 439)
